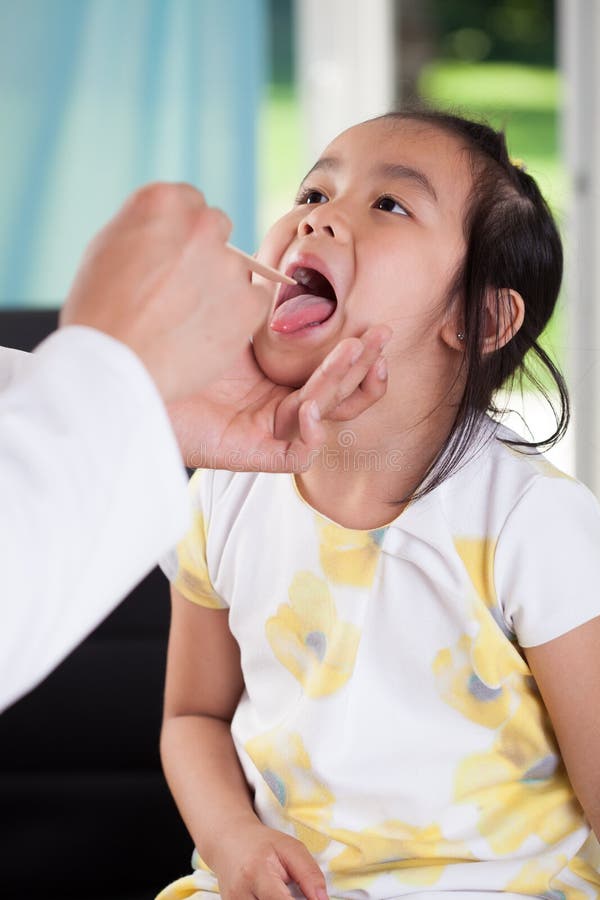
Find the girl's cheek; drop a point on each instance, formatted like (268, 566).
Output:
(279, 237)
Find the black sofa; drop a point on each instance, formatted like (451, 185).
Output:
(84, 808)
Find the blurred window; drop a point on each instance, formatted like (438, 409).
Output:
(100, 96)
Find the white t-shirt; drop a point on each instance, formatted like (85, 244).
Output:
(390, 720)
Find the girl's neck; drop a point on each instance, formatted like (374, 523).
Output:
(363, 472)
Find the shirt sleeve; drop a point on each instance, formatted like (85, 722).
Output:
(547, 563)
(186, 566)
(93, 493)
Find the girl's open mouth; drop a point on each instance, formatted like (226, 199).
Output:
(307, 304)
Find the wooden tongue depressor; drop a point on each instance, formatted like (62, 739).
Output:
(261, 268)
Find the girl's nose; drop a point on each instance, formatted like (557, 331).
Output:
(323, 218)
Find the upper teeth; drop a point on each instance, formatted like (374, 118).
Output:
(303, 276)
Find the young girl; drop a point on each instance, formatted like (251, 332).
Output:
(386, 679)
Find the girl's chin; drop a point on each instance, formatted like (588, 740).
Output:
(286, 367)
(282, 372)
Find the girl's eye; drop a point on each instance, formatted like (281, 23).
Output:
(310, 196)
(388, 204)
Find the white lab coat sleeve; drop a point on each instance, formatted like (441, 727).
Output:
(12, 364)
(93, 492)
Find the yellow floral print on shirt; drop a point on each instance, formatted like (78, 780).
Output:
(560, 879)
(485, 701)
(540, 877)
(586, 864)
(192, 579)
(477, 555)
(519, 786)
(347, 556)
(416, 856)
(475, 675)
(310, 640)
(566, 883)
(187, 888)
(285, 765)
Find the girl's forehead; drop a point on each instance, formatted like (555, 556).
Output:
(403, 135)
(441, 157)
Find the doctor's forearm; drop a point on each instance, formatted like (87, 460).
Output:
(80, 525)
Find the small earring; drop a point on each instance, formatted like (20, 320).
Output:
(460, 335)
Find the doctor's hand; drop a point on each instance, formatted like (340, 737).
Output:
(160, 279)
(245, 422)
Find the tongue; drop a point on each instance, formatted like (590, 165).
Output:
(301, 311)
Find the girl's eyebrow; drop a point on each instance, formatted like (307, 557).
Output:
(395, 171)
(400, 172)
(326, 162)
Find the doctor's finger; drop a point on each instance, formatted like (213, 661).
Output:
(212, 220)
(373, 341)
(344, 369)
(369, 391)
(160, 199)
(312, 432)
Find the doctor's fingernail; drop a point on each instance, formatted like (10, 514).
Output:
(356, 355)
(381, 369)
(314, 411)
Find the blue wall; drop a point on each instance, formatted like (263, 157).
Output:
(100, 96)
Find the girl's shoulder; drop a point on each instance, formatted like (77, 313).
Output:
(501, 477)
(536, 532)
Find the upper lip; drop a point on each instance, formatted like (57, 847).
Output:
(307, 261)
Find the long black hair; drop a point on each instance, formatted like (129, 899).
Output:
(512, 242)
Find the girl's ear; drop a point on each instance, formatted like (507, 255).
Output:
(504, 314)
